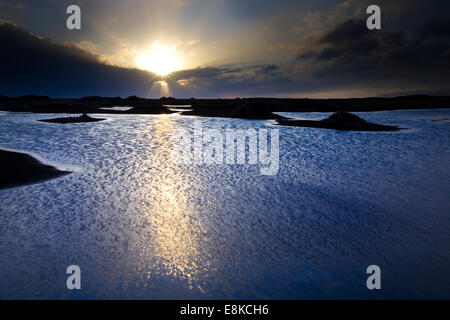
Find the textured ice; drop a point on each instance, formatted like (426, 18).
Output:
(141, 227)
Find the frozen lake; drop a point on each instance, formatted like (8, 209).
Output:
(140, 226)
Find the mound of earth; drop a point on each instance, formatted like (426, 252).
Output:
(339, 121)
(254, 110)
(19, 169)
(83, 118)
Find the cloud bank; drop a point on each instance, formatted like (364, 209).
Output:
(330, 53)
(33, 65)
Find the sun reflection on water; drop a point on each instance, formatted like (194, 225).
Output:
(173, 236)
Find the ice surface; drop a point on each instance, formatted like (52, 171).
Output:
(140, 226)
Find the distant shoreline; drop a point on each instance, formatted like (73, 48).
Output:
(17, 169)
(244, 108)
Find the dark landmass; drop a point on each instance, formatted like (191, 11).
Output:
(339, 121)
(230, 107)
(251, 110)
(83, 118)
(247, 108)
(44, 104)
(19, 169)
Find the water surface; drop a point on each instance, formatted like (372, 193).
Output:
(140, 226)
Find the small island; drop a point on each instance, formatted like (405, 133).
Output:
(19, 169)
(339, 121)
(83, 118)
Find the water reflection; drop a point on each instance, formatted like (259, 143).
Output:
(173, 237)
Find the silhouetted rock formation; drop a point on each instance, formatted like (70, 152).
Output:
(167, 98)
(33, 97)
(83, 118)
(254, 110)
(339, 121)
(247, 108)
(19, 168)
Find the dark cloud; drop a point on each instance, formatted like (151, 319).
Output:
(197, 73)
(350, 30)
(229, 81)
(394, 39)
(33, 65)
(436, 28)
(270, 69)
(350, 53)
(344, 56)
(329, 53)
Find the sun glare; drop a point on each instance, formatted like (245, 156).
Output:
(159, 59)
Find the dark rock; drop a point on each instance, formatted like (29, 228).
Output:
(339, 121)
(83, 118)
(254, 110)
(19, 169)
(34, 98)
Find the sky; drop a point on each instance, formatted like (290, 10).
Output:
(225, 48)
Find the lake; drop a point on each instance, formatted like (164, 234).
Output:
(142, 227)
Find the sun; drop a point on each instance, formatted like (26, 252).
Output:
(159, 59)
